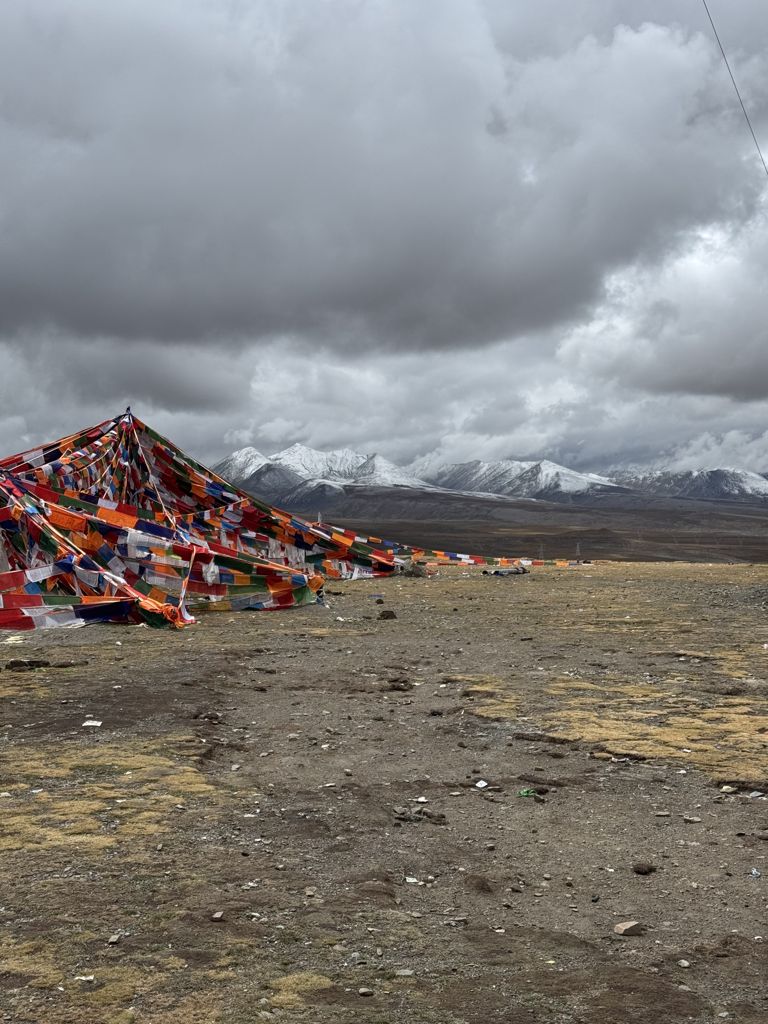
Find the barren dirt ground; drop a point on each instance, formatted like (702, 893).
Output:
(282, 817)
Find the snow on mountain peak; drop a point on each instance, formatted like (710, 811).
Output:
(696, 483)
(553, 476)
(241, 464)
(378, 470)
(312, 464)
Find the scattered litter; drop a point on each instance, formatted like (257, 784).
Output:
(533, 794)
(91, 723)
(481, 784)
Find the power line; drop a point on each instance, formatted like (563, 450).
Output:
(741, 101)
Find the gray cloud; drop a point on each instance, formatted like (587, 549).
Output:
(506, 229)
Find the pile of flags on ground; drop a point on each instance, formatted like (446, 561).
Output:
(117, 524)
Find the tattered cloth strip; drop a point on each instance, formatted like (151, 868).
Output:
(117, 524)
(417, 554)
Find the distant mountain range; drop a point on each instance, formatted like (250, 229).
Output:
(304, 478)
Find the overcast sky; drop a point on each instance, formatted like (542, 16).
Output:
(497, 228)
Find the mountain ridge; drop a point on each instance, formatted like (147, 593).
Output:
(300, 476)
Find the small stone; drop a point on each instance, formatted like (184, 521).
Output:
(629, 928)
(401, 684)
(758, 835)
(310, 891)
(385, 613)
(218, 915)
(235, 768)
(643, 867)
(683, 963)
(729, 789)
(365, 991)
(113, 939)
(404, 972)
(691, 819)
(662, 814)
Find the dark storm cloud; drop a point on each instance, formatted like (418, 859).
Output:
(205, 170)
(306, 221)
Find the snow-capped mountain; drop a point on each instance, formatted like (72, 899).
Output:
(492, 477)
(300, 474)
(302, 477)
(311, 464)
(378, 471)
(241, 464)
(544, 479)
(517, 478)
(700, 483)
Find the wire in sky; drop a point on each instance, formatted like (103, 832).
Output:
(741, 101)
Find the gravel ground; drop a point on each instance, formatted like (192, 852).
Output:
(324, 816)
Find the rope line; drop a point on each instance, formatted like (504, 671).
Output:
(736, 88)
